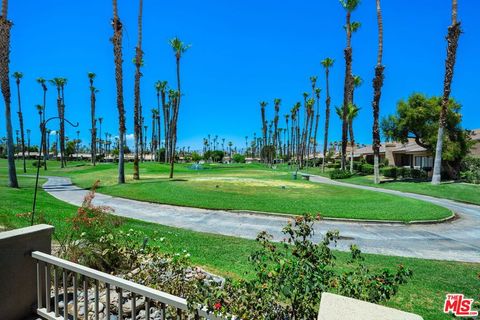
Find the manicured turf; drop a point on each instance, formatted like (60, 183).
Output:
(424, 294)
(248, 187)
(463, 192)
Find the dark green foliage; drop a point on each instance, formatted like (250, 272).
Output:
(418, 118)
(335, 165)
(268, 153)
(366, 169)
(36, 164)
(411, 173)
(195, 156)
(214, 155)
(470, 170)
(70, 148)
(390, 172)
(340, 174)
(290, 278)
(238, 158)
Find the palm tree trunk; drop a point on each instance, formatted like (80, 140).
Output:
(176, 108)
(137, 115)
(5, 27)
(347, 90)
(46, 151)
(453, 35)
(166, 126)
(317, 120)
(117, 52)
(93, 148)
(20, 120)
(377, 91)
(352, 143)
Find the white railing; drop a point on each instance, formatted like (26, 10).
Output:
(71, 273)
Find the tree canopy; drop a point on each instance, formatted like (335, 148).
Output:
(417, 118)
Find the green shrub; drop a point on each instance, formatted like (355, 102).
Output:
(36, 164)
(366, 169)
(411, 173)
(340, 174)
(335, 165)
(290, 277)
(418, 174)
(390, 172)
(238, 158)
(196, 156)
(357, 165)
(214, 155)
(470, 170)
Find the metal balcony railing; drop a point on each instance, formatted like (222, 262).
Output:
(79, 278)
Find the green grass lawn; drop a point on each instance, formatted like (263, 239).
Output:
(246, 187)
(463, 192)
(424, 294)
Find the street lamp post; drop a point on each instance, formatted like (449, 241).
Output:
(42, 141)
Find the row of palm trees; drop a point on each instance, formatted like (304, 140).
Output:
(299, 138)
(170, 98)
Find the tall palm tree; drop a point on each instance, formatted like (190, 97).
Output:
(28, 142)
(317, 120)
(377, 92)
(352, 113)
(100, 121)
(59, 83)
(276, 103)
(287, 140)
(179, 48)
(327, 63)
(42, 82)
(161, 88)
(263, 104)
(313, 81)
(18, 75)
(5, 26)
(154, 134)
(93, 130)
(117, 53)
(454, 32)
(136, 105)
(349, 6)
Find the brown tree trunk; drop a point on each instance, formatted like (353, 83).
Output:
(377, 91)
(137, 112)
(5, 27)
(117, 53)
(327, 119)
(453, 35)
(20, 120)
(93, 143)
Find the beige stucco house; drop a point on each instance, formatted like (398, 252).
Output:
(410, 154)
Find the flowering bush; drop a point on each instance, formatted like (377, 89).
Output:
(290, 278)
(287, 281)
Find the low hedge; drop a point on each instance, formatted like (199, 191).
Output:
(340, 174)
(390, 172)
(366, 169)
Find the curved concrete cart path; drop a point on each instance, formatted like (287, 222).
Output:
(456, 240)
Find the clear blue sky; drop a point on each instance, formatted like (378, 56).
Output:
(242, 52)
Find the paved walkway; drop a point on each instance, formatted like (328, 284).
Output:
(456, 240)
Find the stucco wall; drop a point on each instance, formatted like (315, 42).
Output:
(18, 271)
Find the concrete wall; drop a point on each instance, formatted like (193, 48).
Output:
(18, 271)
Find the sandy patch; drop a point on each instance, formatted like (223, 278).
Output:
(250, 182)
